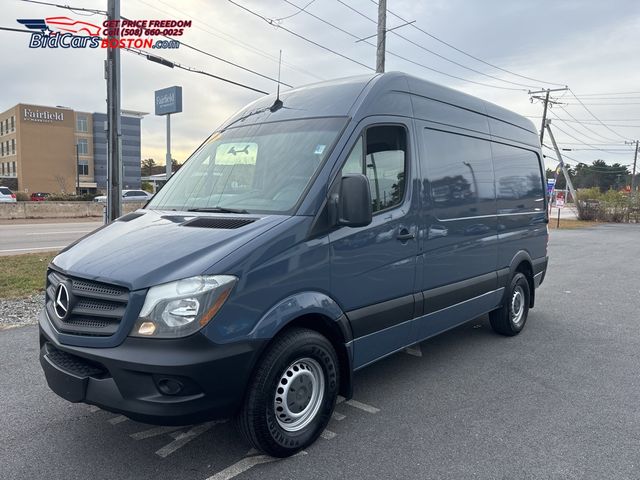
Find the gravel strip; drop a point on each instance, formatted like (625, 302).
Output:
(20, 311)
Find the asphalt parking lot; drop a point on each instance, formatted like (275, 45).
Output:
(559, 401)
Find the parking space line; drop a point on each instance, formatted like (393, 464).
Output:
(328, 434)
(153, 432)
(363, 406)
(118, 419)
(338, 416)
(246, 464)
(181, 439)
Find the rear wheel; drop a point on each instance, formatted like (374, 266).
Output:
(511, 317)
(292, 394)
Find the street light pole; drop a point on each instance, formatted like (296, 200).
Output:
(77, 169)
(635, 161)
(114, 160)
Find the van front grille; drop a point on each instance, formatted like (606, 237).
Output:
(84, 307)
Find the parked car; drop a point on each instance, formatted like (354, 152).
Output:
(39, 196)
(296, 246)
(7, 196)
(128, 196)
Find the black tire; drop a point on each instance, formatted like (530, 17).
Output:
(505, 320)
(305, 350)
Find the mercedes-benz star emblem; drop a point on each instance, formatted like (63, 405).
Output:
(61, 303)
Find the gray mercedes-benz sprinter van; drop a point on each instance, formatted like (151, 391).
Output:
(308, 237)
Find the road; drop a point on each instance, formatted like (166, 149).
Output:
(559, 401)
(41, 237)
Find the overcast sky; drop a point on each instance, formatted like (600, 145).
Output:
(590, 45)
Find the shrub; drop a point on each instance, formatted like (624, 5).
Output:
(23, 196)
(589, 204)
(147, 187)
(67, 197)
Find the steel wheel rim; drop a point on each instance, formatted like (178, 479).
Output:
(517, 305)
(299, 394)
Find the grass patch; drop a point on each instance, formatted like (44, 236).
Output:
(570, 223)
(24, 275)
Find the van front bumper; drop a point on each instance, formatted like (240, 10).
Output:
(165, 382)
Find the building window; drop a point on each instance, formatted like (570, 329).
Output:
(13, 123)
(1, 127)
(2, 148)
(13, 164)
(83, 146)
(2, 169)
(83, 167)
(82, 124)
(6, 125)
(13, 146)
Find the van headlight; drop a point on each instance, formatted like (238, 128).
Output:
(178, 309)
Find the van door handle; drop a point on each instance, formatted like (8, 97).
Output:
(405, 235)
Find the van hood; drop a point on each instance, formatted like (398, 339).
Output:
(149, 247)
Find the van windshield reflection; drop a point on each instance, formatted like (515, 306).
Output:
(263, 168)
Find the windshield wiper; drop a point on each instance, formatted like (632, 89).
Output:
(217, 210)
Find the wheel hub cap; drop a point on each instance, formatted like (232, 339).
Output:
(517, 305)
(299, 394)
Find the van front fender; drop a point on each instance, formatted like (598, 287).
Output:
(296, 306)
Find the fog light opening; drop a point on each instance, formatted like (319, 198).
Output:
(170, 386)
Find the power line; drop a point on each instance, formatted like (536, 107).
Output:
(352, 35)
(585, 126)
(231, 39)
(583, 143)
(19, 30)
(596, 118)
(67, 7)
(405, 58)
(608, 94)
(209, 54)
(466, 53)
(302, 37)
(301, 9)
(422, 47)
(168, 63)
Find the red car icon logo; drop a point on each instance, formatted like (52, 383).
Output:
(70, 25)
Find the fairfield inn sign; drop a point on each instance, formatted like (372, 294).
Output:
(42, 116)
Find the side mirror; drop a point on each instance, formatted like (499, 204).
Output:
(354, 201)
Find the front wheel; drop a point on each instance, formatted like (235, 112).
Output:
(292, 393)
(509, 319)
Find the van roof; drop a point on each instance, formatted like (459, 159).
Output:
(392, 93)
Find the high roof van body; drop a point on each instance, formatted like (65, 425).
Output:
(308, 237)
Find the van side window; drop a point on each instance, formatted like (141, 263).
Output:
(518, 179)
(384, 164)
(460, 175)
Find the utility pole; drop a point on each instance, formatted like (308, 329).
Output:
(114, 130)
(382, 35)
(635, 161)
(565, 170)
(546, 104)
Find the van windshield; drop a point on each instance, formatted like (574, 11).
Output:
(261, 168)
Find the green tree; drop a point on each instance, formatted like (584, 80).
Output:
(148, 164)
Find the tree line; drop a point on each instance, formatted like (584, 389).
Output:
(598, 174)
